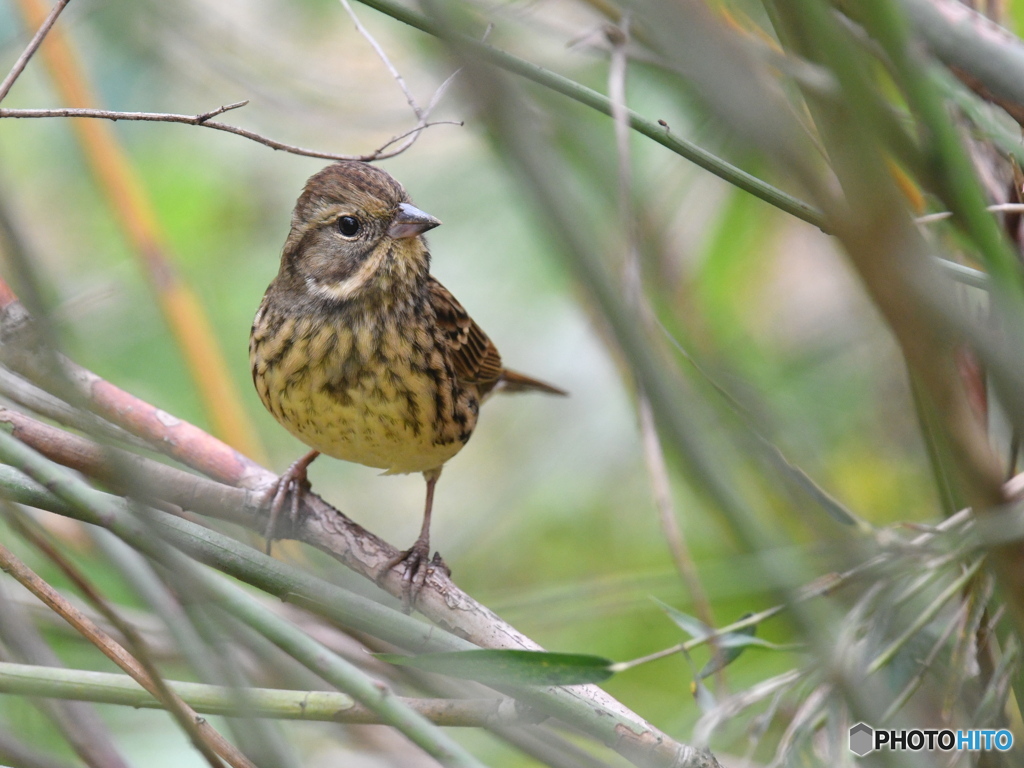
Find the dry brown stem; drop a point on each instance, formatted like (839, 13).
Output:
(204, 736)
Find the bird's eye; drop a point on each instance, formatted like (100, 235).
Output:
(348, 225)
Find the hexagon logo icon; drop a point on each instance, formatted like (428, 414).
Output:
(862, 739)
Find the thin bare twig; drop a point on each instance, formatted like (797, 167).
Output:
(200, 119)
(387, 62)
(33, 46)
(203, 120)
(413, 133)
(422, 114)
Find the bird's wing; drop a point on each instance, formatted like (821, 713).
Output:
(474, 356)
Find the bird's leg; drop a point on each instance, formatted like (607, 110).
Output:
(295, 483)
(417, 558)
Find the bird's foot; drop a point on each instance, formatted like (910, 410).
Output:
(418, 566)
(293, 485)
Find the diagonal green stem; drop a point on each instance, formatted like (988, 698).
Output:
(93, 507)
(348, 609)
(956, 173)
(601, 103)
(925, 617)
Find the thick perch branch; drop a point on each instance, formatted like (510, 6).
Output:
(320, 525)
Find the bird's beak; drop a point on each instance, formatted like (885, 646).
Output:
(410, 221)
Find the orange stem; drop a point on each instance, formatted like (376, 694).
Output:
(120, 183)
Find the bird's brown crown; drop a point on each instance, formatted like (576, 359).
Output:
(358, 185)
(339, 247)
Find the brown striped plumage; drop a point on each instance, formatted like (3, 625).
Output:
(358, 351)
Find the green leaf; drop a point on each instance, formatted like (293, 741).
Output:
(829, 503)
(694, 627)
(730, 647)
(739, 639)
(704, 698)
(510, 667)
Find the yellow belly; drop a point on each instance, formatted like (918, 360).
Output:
(361, 401)
(364, 427)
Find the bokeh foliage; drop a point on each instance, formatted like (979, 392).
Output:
(786, 369)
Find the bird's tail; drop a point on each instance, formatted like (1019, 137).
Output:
(513, 382)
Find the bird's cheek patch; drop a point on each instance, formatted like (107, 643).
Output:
(349, 286)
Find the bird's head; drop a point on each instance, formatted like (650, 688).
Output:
(354, 232)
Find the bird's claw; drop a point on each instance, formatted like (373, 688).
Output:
(293, 484)
(418, 566)
(438, 563)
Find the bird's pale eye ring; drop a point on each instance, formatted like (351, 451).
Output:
(349, 226)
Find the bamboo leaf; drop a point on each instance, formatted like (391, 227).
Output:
(730, 647)
(694, 627)
(706, 701)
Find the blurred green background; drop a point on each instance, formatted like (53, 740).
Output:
(547, 516)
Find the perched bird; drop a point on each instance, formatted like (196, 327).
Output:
(360, 353)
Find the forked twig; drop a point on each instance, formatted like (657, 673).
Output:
(384, 57)
(422, 115)
(203, 120)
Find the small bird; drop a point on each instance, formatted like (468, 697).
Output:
(361, 353)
